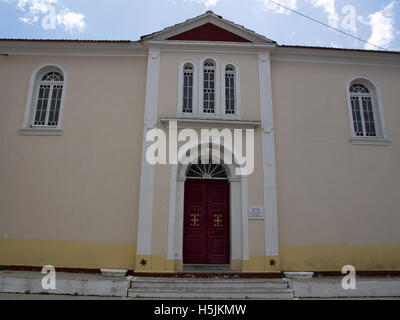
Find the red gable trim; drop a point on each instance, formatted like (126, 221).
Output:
(208, 32)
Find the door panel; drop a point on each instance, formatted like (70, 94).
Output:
(206, 222)
(218, 223)
(195, 223)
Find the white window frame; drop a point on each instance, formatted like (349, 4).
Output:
(217, 89)
(381, 137)
(237, 114)
(31, 103)
(195, 88)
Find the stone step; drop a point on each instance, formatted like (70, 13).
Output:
(206, 268)
(67, 284)
(217, 272)
(209, 288)
(187, 283)
(212, 293)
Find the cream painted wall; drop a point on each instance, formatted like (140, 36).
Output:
(331, 192)
(256, 198)
(84, 185)
(162, 182)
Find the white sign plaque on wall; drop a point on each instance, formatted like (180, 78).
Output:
(256, 213)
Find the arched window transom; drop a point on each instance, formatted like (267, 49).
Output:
(53, 76)
(207, 171)
(359, 88)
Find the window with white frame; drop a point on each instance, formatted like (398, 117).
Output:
(366, 120)
(209, 90)
(45, 102)
(48, 100)
(209, 80)
(187, 88)
(230, 90)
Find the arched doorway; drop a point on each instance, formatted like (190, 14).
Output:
(206, 236)
(238, 207)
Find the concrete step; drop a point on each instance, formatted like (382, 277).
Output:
(212, 293)
(198, 288)
(187, 283)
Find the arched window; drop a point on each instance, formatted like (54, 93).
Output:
(48, 100)
(45, 102)
(364, 110)
(230, 90)
(209, 87)
(187, 88)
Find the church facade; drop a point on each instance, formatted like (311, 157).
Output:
(78, 122)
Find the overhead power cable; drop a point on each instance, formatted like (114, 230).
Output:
(326, 25)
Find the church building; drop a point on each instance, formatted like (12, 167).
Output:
(320, 131)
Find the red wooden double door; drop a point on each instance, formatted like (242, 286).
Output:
(206, 222)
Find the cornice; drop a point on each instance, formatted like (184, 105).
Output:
(205, 46)
(339, 56)
(199, 123)
(71, 48)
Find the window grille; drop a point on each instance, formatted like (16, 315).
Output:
(209, 88)
(362, 111)
(188, 89)
(230, 107)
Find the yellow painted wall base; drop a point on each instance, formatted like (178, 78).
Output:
(333, 258)
(262, 264)
(62, 254)
(93, 255)
(236, 265)
(157, 264)
(160, 264)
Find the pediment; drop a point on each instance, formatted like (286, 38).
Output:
(208, 27)
(208, 32)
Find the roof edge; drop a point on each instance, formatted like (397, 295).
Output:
(66, 40)
(338, 49)
(137, 42)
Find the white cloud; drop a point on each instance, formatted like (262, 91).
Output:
(207, 3)
(31, 20)
(72, 21)
(291, 4)
(35, 6)
(382, 24)
(33, 10)
(362, 20)
(329, 8)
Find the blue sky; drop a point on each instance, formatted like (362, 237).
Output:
(377, 21)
